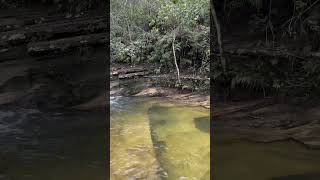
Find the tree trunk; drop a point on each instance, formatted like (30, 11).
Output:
(218, 30)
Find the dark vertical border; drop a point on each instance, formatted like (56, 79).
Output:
(212, 58)
(211, 92)
(108, 94)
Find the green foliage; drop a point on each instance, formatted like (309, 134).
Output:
(294, 31)
(142, 31)
(271, 76)
(253, 74)
(185, 13)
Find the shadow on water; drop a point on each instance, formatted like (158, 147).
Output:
(154, 124)
(311, 176)
(160, 145)
(203, 124)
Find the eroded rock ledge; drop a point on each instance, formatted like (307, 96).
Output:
(52, 61)
(269, 121)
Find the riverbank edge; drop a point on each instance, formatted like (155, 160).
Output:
(224, 115)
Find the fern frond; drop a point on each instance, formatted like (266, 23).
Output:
(249, 81)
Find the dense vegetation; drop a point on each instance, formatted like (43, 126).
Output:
(173, 35)
(270, 48)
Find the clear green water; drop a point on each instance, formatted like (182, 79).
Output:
(154, 139)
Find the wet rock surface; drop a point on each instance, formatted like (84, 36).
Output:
(310, 176)
(51, 61)
(136, 81)
(268, 121)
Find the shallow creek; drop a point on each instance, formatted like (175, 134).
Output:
(155, 139)
(151, 139)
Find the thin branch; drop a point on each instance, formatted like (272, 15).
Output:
(309, 7)
(129, 31)
(175, 59)
(300, 14)
(269, 24)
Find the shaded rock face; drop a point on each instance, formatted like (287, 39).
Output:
(129, 81)
(57, 62)
(72, 6)
(310, 176)
(269, 121)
